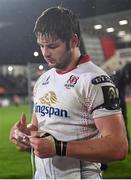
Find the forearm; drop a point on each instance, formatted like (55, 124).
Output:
(107, 148)
(98, 150)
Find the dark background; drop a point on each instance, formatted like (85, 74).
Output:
(17, 19)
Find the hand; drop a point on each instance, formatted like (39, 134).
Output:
(44, 147)
(21, 128)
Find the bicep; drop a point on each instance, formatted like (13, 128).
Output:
(112, 125)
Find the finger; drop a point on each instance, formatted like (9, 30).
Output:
(23, 120)
(22, 123)
(13, 140)
(38, 154)
(22, 146)
(33, 141)
(41, 155)
(18, 124)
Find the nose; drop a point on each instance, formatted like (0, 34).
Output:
(46, 52)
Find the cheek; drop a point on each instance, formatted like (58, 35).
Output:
(62, 49)
(60, 53)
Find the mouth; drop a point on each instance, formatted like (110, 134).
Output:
(49, 60)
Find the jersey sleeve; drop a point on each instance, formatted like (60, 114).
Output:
(104, 97)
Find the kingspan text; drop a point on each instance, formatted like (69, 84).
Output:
(50, 111)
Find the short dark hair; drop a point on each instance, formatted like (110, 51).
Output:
(58, 22)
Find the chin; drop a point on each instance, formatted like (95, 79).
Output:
(51, 65)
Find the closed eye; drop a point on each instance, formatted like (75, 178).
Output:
(52, 46)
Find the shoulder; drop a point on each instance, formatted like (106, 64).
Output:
(94, 74)
(44, 76)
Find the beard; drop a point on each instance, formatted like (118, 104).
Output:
(64, 61)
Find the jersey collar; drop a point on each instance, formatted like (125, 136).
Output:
(82, 59)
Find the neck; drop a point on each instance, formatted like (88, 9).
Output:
(75, 57)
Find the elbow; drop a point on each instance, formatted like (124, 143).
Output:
(122, 152)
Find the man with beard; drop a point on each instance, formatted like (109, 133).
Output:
(76, 123)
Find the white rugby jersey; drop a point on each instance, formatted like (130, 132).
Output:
(66, 105)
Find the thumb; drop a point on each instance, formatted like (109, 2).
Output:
(35, 134)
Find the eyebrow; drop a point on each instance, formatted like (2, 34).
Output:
(48, 43)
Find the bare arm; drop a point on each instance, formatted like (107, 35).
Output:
(112, 145)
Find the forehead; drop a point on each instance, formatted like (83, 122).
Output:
(45, 38)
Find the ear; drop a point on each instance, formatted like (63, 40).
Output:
(74, 40)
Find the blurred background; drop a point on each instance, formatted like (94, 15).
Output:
(106, 37)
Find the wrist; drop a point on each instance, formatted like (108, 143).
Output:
(58, 147)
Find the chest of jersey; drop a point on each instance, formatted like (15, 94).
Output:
(61, 106)
(60, 96)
